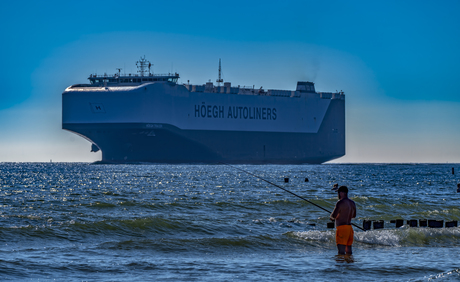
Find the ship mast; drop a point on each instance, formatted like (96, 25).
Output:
(142, 66)
(220, 78)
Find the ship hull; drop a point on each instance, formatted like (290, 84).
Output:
(314, 136)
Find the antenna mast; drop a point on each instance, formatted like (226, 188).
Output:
(142, 66)
(220, 78)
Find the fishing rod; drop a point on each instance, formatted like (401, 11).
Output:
(285, 190)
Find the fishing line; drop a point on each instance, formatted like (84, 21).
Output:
(285, 190)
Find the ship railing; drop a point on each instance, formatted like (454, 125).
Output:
(131, 75)
(82, 86)
(242, 91)
(282, 93)
(332, 96)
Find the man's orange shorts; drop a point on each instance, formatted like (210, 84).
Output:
(344, 235)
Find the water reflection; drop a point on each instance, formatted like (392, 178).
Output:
(344, 259)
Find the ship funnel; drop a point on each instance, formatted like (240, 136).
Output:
(305, 86)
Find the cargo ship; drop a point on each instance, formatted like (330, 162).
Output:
(151, 118)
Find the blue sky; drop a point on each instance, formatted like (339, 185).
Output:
(397, 62)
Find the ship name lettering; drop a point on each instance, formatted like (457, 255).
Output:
(209, 111)
(221, 111)
(235, 112)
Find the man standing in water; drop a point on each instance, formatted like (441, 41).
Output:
(344, 211)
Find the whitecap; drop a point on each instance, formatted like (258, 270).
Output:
(315, 235)
(379, 237)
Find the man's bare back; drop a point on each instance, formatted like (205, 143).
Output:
(344, 211)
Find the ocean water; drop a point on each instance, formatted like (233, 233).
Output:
(85, 222)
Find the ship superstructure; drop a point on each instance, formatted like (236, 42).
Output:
(148, 117)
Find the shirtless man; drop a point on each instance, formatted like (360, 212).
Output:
(344, 211)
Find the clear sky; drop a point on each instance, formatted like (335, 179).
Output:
(397, 62)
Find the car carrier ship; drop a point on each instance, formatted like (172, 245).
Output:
(146, 117)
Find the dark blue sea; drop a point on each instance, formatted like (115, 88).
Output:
(87, 222)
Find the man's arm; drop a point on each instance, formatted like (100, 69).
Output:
(335, 212)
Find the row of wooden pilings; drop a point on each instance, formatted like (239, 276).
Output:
(379, 224)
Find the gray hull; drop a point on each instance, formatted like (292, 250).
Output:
(163, 122)
(165, 143)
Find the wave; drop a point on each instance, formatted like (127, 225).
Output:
(205, 244)
(147, 227)
(452, 275)
(402, 237)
